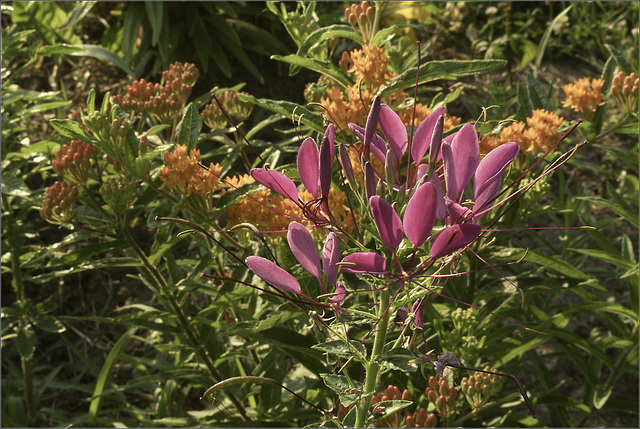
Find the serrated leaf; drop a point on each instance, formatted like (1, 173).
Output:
(340, 384)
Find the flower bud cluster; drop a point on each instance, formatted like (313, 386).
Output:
(360, 16)
(59, 202)
(73, 161)
(480, 387)
(237, 109)
(465, 339)
(584, 96)
(138, 93)
(625, 90)
(117, 192)
(442, 396)
(163, 103)
(418, 419)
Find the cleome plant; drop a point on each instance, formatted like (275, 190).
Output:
(369, 258)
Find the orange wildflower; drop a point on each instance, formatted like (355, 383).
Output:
(582, 98)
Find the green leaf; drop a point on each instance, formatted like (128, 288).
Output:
(320, 35)
(154, 14)
(48, 323)
(91, 102)
(622, 62)
(189, 127)
(62, 49)
(537, 94)
(81, 9)
(70, 129)
(544, 41)
(101, 53)
(326, 68)
(26, 341)
(386, 408)
(434, 70)
(340, 384)
(556, 264)
(133, 17)
(105, 375)
(289, 110)
(12, 185)
(340, 349)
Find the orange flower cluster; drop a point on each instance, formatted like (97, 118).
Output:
(370, 68)
(538, 137)
(583, 96)
(271, 212)
(186, 175)
(421, 113)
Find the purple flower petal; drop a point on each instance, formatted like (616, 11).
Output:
(466, 155)
(364, 262)
(304, 248)
(377, 146)
(420, 214)
(308, 162)
(326, 162)
(454, 238)
(492, 166)
(482, 204)
(330, 257)
(449, 166)
(277, 182)
(372, 122)
(388, 222)
(394, 131)
(330, 135)
(340, 294)
(436, 140)
(369, 180)
(346, 162)
(457, 213)
(273, 274)
(422, 137)
(441, 210)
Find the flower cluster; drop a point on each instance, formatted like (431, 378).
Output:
(239, 110)
(185, 174)
(73, 161)
(443, 397)
(480, 387)
(163, 102)
(59, 202)
(117, 192)
(370, 69)
(361, 19)
(584, 96)
(625, 90)
(537, 135)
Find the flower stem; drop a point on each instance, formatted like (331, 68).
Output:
(372, 368)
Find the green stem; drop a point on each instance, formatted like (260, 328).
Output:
(18, 286)
(164, 290)
(372, 368)
(614, 127)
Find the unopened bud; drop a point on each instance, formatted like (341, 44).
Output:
(431, 395)
(432, 421)
(406, 396)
